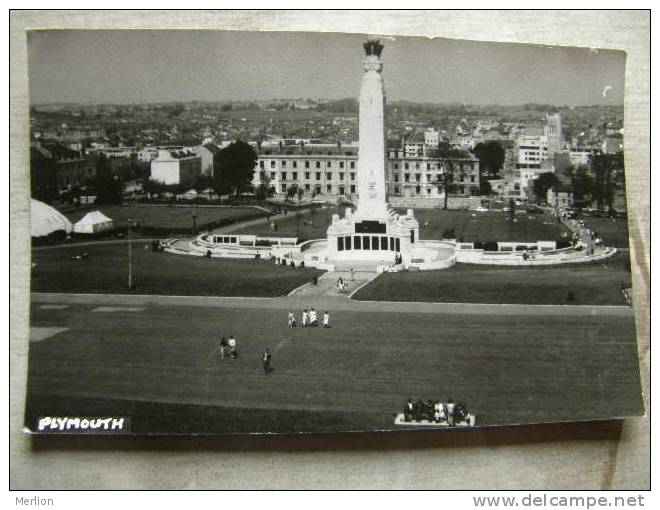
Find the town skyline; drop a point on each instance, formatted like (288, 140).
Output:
(141, 67)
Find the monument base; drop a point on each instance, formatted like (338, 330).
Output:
(386, 240)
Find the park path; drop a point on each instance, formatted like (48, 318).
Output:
(327, 284)
(258, 221)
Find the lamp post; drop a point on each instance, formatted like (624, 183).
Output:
(130, 256)
(194, 220)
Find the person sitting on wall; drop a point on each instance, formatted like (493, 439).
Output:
(408, 410)
(451, 412)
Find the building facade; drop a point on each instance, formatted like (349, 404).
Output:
(335, 176)
(176, 167)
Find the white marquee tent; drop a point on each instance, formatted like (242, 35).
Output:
(44, 220)
(92, 223)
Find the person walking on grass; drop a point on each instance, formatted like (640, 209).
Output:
(326, 320)
(232, 347)
(265, 358)
(223, 346)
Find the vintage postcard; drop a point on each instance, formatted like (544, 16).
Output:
(282, 232)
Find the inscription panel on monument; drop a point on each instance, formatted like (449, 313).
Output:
(370, 227)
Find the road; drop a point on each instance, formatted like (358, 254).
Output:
(155, 358)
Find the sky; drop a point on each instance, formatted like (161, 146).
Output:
(142, 66)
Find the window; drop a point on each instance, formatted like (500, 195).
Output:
(307, 188)
(405, 166)
(428, 191)
(472, 178)
(295, 164)
(398, 244)
(352, 188)
(417, 166)
(294, 176)
(341, 164)
(374, 243)
(428, 166)
(328, 164)
(284, 176)
(283, 164)
(348, 242)
(342, 190)
(261, 164)
(306, 164)
(340, 244)
(352, 176)
(328, 176)
(272, 164)
(396, 190)
(366, 242)
(418, 190)
(318, 164)
(329, 188)
(283, 187)
(406, 177)
(357, 242)
(383, 242)
(352, 164)
(396, 177)
(272, 175)
(391, 244)
(341, 176)
(306, 175)
(417, 177)
(318, 176)
(396, 166)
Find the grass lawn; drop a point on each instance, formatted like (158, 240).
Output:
(613, 232)
(310, 225)
(471, 226)
(486, 226)
(106, 269)
(591, 284)
(159, 362)
(167, 216)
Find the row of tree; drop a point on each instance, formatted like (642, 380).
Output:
(596, 182)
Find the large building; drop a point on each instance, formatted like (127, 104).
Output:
(176, 167)
(333, 174)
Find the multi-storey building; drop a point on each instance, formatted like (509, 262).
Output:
(176, 167)
(334, 174)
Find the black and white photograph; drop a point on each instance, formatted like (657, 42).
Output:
(297, 232)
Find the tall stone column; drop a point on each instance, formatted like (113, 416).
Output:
(372, 203)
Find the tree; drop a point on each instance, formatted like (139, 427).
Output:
(292, 191)
(154, 187)
(606, 168)
(582, 183)
(543, 183)
(108, 187)
(485, 187)
(491, 158)
(236, 164)
(445, 182)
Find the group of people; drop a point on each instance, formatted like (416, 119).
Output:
(439, 412)
(228, 347)
(309, 319)
(228, 350)
(341, 286)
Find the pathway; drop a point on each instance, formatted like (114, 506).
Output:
(258, 221)
(331, 302)
(326, 284)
